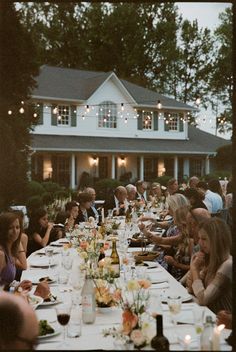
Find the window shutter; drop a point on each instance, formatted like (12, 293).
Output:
(73, 115)
(40, 114)
(53, 116)
(166, 125)
(155, 120)
(181, 125)
(140, 120)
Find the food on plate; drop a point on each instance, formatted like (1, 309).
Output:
(46, 278)
(45, 328)
(50, 298)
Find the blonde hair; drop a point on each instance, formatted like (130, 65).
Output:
(176, 201)
(220, 242)
(180, 216)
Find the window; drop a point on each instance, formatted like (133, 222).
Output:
(147, 120)
(196, 167)
(63, 115)
(107, 115)
(173, 121)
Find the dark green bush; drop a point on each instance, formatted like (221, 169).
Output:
(163, 179)
(217, 175)
(33, 203)
(61, 194)
(105, 186)
(34, 188)
(47, 198)
(51, 187)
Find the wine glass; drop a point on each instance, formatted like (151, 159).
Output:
(174, 304)
(49, 254)
(63, 316)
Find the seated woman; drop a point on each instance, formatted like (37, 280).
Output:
(11, 249)
(40, 231)
(155, 194)
(85, 211)
(178, 264)
(195, 198)
(210, 277)
(72, 210)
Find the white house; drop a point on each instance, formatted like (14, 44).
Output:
(95, 122)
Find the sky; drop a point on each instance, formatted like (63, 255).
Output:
(207, 15)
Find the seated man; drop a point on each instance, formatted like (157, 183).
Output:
(18, 323)
(117, 202)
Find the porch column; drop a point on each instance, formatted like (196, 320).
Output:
(72, 171)
(141, 169)
(113, 167)
(176, 167)
(207, 165)
(186, 166)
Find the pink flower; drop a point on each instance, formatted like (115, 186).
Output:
(144, 283)
(137, 337)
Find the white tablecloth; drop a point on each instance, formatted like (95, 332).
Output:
(92, 337)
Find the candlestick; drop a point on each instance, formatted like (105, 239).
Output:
(187, 341)
(216, 337)
(102, 212)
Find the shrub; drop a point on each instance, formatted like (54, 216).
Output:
(163, 179)
(218, 175)
(47, 198)
(33, 203)
(34, 188)
(105, 186)
(61, 194)
(51, 187)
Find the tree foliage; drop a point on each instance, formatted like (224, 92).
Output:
(222, 73)
(17, 69)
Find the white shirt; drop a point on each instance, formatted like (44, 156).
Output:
(213, 201)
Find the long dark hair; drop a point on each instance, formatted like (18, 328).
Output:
(34, 225)
(6, 220)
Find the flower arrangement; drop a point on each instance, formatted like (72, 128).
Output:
(104, 295)
(134, 327)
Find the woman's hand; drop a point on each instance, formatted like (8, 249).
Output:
(197, 261)
(169, 259)
(50, 226)
(42, 290)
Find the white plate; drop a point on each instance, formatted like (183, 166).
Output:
(35, 281)
(41, 262)
(184, 298)
(35, 301)
(55, 333)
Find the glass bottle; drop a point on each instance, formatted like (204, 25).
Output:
(160, 342)
(88, 301)
(206, 337)
(115, 260)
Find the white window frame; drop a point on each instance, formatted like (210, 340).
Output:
(108, 110)
(65, 117)
(173, 121)
(147, 121)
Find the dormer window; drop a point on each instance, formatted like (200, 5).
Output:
(63, 115)
(173, 122)
(107, 115)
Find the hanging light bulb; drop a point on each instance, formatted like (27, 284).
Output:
(35, 115)
(198, 101)
(9, 112)
(87, 108)
(22, 102)
(22, 110)
(122, 106)
(55, 110)
(126, 120)
(59, 117)
(159, 104)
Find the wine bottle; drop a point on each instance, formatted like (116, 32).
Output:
(160, 342)
(115, 261)
(88, 301)
(128, 214)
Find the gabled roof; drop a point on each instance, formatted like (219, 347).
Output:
(78, 85)
(199, 142)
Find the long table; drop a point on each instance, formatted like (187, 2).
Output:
(92, 334)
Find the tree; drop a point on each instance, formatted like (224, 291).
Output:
(17, 69)
(222, 84)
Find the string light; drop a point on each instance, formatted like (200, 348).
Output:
(22, 110)
(126, 120)
(9, 112)
(122, 106)
(87, 108)
(159, 104)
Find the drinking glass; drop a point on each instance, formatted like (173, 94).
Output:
(75, 323)
(63, 316)
(198, 316)
(154, 304)
(174, 304)
(49, 254)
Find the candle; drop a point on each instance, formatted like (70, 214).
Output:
(102, 212)
(216, 337)
(187, 341)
